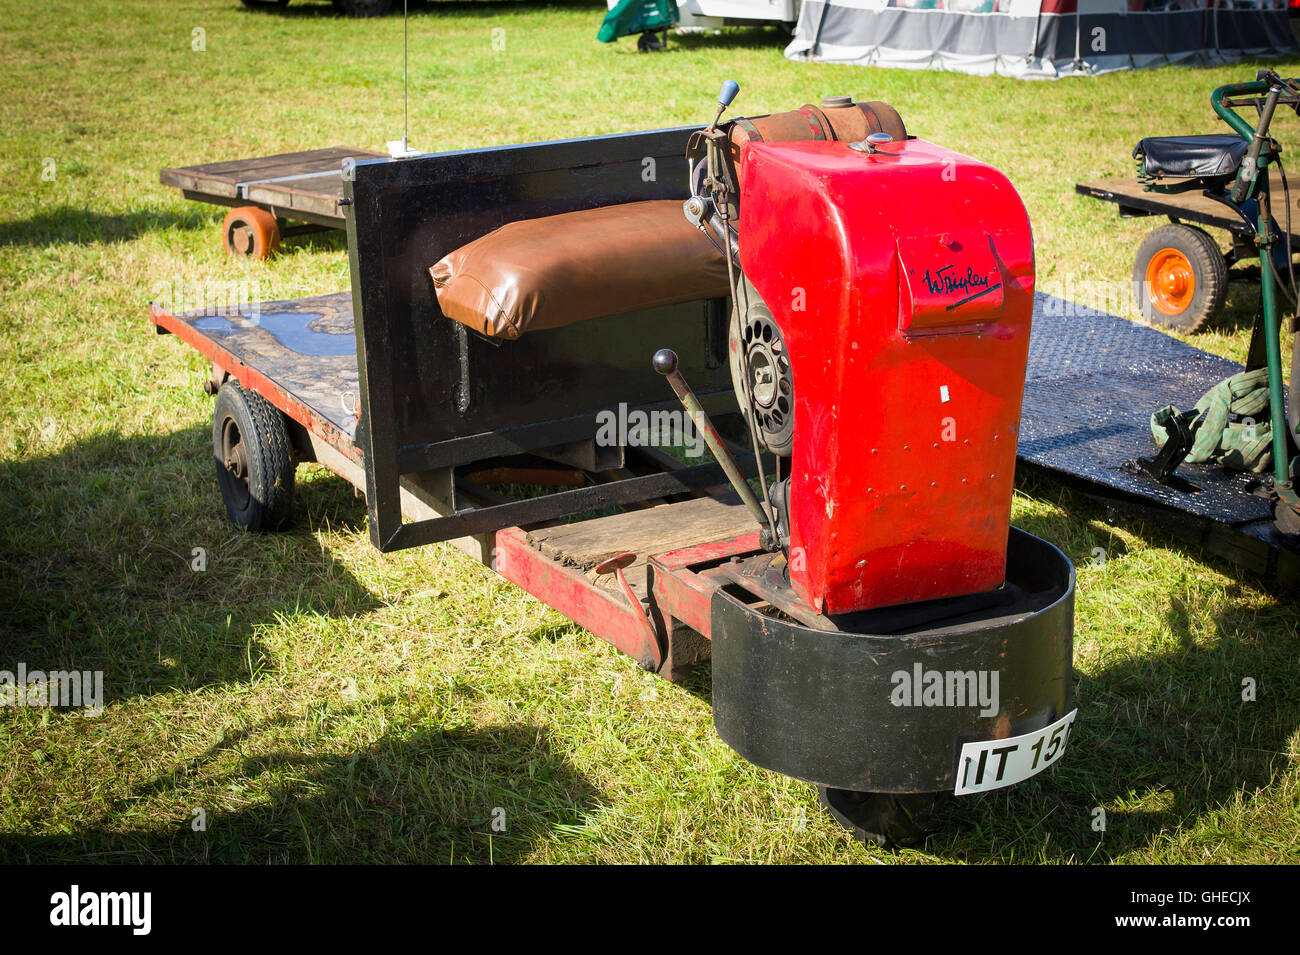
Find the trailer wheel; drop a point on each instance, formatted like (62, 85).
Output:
(254, 459)
(250, 231)
(1285, 519)
(363, 8)
(1180, 278)
(887, 819)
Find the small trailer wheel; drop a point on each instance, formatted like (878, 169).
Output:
(254, 459)
(250, 231)
(887, 819)
(1285, 519)
(1180, 278)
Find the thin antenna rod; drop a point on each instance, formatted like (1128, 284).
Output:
(406, 96)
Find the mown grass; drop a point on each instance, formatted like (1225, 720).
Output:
(321, 702)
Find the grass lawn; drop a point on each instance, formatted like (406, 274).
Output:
(321, 702)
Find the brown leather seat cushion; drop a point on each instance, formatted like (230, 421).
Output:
(554, 271)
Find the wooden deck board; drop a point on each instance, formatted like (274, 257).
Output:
(1194, 206)
(318, 195)
(654, 530)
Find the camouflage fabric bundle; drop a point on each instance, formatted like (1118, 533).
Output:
(1233, 430)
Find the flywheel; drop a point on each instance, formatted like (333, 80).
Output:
(761, 372)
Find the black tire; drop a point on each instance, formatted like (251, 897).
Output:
(1285, 519)
(889, 820)
(254, 459)
(363, 8)
(1209, 271)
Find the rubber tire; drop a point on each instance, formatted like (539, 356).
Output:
(1286, 520)
(890, 820)
(1209, 270)
(363, 8)
(263, 226)
(267, 504)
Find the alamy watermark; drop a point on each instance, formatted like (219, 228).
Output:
(922, 687)
(178, 295)
(1070, 297)
(75, 907)
(634, 428)
(53, 689)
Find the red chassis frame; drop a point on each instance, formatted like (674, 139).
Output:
(679, 584)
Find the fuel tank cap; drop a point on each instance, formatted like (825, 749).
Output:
(872, 143)
(829, 101)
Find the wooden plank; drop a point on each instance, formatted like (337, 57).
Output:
(333, 219)
(312, 160)
(1191, 205)
(227, 174)
(224, 178)
(654, 530)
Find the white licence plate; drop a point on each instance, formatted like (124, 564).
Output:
(994, 763)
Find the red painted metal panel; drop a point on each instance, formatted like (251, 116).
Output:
(605, 613)
(685, 595)
(905, 438)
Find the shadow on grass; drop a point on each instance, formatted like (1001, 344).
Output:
(487, 795)
(1239, 308)
(67, 224)
(95, 561)
(1166, 732)
(116, 555)
(70, 224)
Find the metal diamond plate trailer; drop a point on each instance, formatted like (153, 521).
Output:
(1092, 383)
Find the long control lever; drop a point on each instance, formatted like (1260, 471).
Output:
(665, 362)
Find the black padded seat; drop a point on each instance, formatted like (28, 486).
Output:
(1191, 157)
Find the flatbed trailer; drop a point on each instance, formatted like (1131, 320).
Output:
(1178, 255)
(1136, 202)
(300, 355)
(267, 193)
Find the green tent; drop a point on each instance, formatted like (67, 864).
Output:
(630, 17)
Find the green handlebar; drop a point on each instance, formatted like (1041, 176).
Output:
(1242, 188)
(1253, 88)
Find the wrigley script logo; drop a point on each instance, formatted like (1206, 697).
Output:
(921, 687)
(75, 907)
(946, 281)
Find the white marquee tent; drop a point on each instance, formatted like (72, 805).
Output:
(1039, 38)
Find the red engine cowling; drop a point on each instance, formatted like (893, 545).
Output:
(903, 282)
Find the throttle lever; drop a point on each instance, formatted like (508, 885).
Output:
(665, 362)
